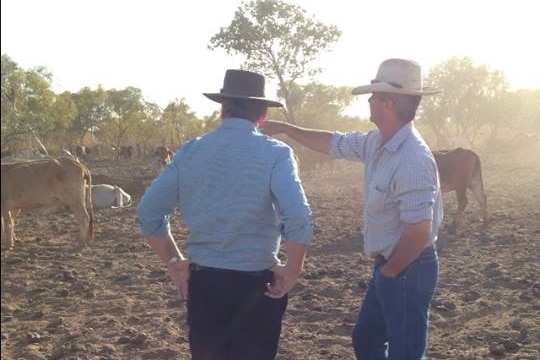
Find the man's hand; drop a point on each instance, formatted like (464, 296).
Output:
(284, 279)
(179, 274)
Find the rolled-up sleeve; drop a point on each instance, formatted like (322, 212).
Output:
(416, 189)
(158, 202)
(296, 218)
(350, 146)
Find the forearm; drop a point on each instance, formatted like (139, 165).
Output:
(411, 244)
(296, 254)
(165, 247)
(318, 140)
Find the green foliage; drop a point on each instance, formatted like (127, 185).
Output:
(179, 124)
(27, 103)
(64, 113)
(470, 105)
(475, 106)
(92, 111)
(278, 40)
(127, 108)
(320, 106)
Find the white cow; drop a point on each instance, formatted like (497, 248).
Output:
(105, 196)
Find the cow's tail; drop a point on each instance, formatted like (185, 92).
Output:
(89, 206)
(478, 188)
(477, 174)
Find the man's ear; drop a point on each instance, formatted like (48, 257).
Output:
(261, 119)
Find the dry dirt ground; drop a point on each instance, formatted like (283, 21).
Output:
(113, 300)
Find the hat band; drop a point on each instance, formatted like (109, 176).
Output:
(387, 82)
(239, 92)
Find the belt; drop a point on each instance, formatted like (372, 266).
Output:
(260, 273)
(380, 259)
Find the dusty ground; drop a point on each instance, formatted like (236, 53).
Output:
(112, 300)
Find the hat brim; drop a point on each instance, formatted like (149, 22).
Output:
(220, 97)
(387, 88)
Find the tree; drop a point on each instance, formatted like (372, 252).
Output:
(320, 106)
(470, 105)
(64, 114)
(147, 132)
(92, 111)
(126, 108)
(278, 40)
(27, 102)
(179, 124)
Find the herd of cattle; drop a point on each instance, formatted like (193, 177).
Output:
(49, 182)
(64, 181)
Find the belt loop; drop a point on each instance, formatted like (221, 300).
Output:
(380, 259)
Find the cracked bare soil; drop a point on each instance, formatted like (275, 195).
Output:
(112, 300)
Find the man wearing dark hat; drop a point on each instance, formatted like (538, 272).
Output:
(239, 193)
(402, 211)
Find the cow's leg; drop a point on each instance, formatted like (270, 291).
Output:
(478, 191)
(82, 216)
(14, 214)
(462, 204)
(8, 229)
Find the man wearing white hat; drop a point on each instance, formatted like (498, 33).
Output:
(402, 211)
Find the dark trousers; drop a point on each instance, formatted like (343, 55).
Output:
(230, 318)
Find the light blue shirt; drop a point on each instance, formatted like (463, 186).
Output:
(401, 184)
(239, 193)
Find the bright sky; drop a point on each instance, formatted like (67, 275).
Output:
(160, 46)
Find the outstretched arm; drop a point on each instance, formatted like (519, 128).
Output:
(318, 140)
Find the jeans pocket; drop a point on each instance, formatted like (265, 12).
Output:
(387, 284)
(426, 273)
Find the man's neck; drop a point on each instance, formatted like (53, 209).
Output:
(390, 129)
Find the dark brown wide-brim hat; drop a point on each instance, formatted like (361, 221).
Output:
(243, 85)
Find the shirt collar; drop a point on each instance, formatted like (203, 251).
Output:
(237, 124)
(399, 138)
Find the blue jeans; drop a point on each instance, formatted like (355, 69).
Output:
(393, 320)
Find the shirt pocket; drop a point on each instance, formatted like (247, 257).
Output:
(378, 197)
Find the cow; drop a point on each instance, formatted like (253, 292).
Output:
(162, 156)
(44, 184)
(6, 153)
(82, 152)
(125, 152)
(459, 170)
(105, 196)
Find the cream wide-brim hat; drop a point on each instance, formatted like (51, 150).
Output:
(397, 76)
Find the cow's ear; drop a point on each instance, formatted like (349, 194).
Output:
(118, 196)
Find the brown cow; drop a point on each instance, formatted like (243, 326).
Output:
(42, 184)
(125, 152)
(163, 155)
(460, 169)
